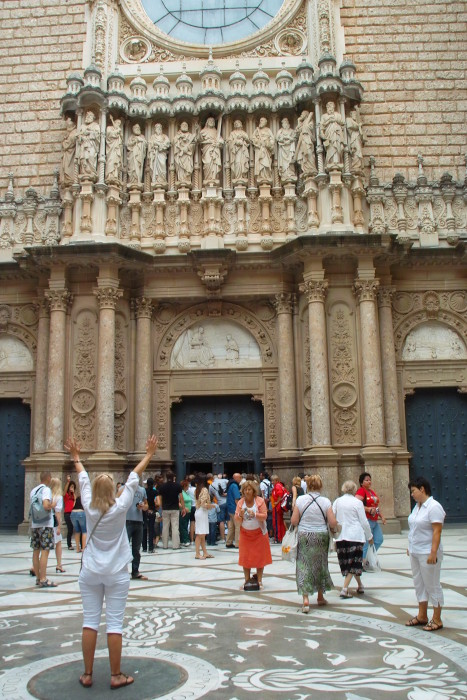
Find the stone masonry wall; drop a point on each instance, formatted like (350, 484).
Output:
(41, 43)
(411, 57)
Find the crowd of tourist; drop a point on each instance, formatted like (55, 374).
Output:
(246, 512)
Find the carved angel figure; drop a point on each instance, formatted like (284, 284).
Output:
(114, 150)
(305, 152)
(239, 155)
(136, 148)
(211, 142)
(263, 141)
(184, 148)
(88, 142)
(159, 145)
(286, 151)
(332, 132)
(354, 131)
(67, 174)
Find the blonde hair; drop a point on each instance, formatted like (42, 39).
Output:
(250, 483)
(296, 481)
(314, 482)
(349, 487)
(56, 487)
(103, 493)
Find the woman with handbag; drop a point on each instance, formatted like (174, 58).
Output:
(254, 551)
(104, 573)
(314, 516)
(371, 504)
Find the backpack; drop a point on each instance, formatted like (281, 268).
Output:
(286, 502)
(268, 490)
(37, 512)
(221, 491)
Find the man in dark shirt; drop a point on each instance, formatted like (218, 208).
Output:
(150, 520)
(171, 500)
(233, 497)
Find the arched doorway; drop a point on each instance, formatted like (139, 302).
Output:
(15, 427)
(437, 439)
(217, 434)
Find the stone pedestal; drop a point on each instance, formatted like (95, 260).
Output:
(87, 197)
(311, 194)
(135, 206)
(113, 202)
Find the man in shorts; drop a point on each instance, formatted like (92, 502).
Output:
(42, 534)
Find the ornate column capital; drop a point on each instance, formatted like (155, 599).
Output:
(365, 290)
(143, 307)
(58, 299)
(42, 306)
(284, 303)
(107, 297)
(385, 295)
(315, 290)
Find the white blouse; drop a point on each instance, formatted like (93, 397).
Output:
(108, 551)
(312, 519)
(350, 513)
(421, 521)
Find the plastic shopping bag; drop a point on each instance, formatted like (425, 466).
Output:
(372, 559)
(289, 545)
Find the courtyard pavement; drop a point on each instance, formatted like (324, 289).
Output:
(192, 632)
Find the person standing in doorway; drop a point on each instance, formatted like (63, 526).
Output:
(171, 501)
(233, 497)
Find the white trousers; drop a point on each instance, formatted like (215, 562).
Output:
(94, 589)
(426, 579)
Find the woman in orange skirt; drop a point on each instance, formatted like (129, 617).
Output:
(254, 551)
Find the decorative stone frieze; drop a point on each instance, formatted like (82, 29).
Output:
(343, 377)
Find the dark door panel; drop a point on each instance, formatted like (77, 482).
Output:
(15, 426)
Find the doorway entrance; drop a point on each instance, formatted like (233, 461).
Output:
(437, 438)
(15, 426)
(217, 434)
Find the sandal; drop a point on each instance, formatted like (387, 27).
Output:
(198, 557)
(32, 572)
(433, 626)
(305, 608)
(59, 570)
(345, 593)
(81, 680)
(47, 584)
(140, 577)
(128, 681)
(209, 556)
(360, 590)
(322, 601)
(414, 622)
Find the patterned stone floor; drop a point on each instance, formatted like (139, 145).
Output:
(191, 632)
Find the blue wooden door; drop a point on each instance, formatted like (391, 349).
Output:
(218, 434)
(437, 438)
(15, 426)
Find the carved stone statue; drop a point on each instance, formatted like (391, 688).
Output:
(88, 142)
(211, 142)
(159, 145)
(67, 175)
(354, 131)
(136, 148)
(263, 141)
(305, 152)
(114, 150)
(232, 352)
(239, 155)
(184, 148)
(286, 151)
(332, 132)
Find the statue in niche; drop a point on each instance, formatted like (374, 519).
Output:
(354, 131)
(211, 142)
(239, 155)
(88, 143)
(136, 149)
(306, 139)
(67, 175)
(263, 141)
(184, 148)
(159, 145)
(232, 352)
(286, 151)
(332, 132)
(200, 350)
(114, 150)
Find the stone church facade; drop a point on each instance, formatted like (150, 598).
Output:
(252, 245)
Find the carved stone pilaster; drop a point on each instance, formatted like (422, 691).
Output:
(143, 307)
(30, 204)
(448, 191)
(87, 197)
(135, 206)
(388, 366)
(424, 199)
(400, 190)
(358, 192)
(284, 303)
(375, 198)
(311, 194)
(335, 187)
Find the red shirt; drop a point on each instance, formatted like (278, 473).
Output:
(68, 502)
(370, 500)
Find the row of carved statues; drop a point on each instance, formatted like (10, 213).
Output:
(287, 149)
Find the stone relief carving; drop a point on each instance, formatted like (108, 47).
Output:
(135, 49)
(14, 355)
(83, 402)
(271, 413)
(87, 146)
(433, 341)
(162, 414)
(121, 362)
(215, 344)
(343, 376)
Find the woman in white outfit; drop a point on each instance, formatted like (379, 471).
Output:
(104, 573)
(350, 514)
(426, 554)
(203, 504)
(57, 505)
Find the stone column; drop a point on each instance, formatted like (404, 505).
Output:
(287, 395)
(40, 389)
(316, 291)
(107, 296)
(390, 392)
(143, 384)
(59, 300)
(365, 291)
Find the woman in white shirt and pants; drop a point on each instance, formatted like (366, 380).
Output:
(104, 573)
(350, 514)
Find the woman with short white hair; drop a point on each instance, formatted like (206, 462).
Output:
(350, 514)
(104, 573)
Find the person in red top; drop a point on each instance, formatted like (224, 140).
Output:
(69, 498)
(278, 491)
(372, 510)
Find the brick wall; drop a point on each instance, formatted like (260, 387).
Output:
(412, 60)
(41, 43)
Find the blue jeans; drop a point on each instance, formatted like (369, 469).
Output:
(212, 533)
(78, 520)
(377, 533)
(134, 529)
